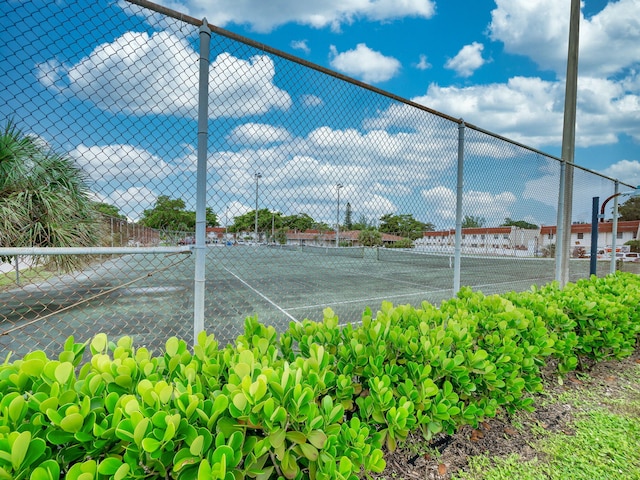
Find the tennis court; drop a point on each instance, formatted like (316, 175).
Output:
(281, 285)
(150, 297)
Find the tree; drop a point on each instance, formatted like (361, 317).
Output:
(362, 224)
(471, 221)
(108, 210)
(246, 222)
(211, 218)
(630, 210)
(171, 214)
(348, 224)
(519, 223)
(299, 222)
(634, 244)
(370, 238)
(44, 200)
(404, 225)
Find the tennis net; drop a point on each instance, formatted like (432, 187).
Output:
(285, 247)
(351, 252)
(413, 257)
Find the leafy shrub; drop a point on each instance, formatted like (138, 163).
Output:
(317, 402)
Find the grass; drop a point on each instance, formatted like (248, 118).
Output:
(605, 444)
(27, 276)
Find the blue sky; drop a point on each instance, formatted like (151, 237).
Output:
(451, 55)
(498, 64)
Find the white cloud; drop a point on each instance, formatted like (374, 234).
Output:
(264, 16)
(539, 29)
(119, 162)
(300, 45)
(312, 101)
(256, 133)
(628, 171)
(234, 209)
(133, 201)
(468, 60)
(494, 208)
(144, 74)
(366, 64)
(423, 64)
(530, 110)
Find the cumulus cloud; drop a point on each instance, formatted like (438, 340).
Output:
(627, 171)
(422, 64)
(530, 110)
(144, 74)
(133, 201)
(490, 206)
(312, 101)
(256, 133)
(265, 16)
(300, 45)
(467, 61)
(119, 162)
(539, 30)
(366, 64)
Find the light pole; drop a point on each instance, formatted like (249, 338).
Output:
(258, 177)
(273, 227)
(338, 187)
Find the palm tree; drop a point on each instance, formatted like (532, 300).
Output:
(44, 200)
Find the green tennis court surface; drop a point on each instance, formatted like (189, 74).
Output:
(150, 297)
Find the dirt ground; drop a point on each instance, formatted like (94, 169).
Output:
(503, 436)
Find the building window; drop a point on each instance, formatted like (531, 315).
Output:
(495, 237)
(506, 237)
(619, 235)
(580, 236)
(551, 236)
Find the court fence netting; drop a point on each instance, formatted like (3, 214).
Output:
(160, 176)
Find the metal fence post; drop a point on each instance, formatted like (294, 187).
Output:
(614, 228)
(559, 251)
(569, 139)
(201, 182)
(593, 259)
(459, 191)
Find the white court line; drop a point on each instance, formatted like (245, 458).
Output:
(359, 300)
(263, 296)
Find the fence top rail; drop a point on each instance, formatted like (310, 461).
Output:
(266, 48)
(12, 251)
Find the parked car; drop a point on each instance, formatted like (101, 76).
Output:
(628, 256)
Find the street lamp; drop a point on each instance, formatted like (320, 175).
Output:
(338, 187)
(614, 227)
(258, 176)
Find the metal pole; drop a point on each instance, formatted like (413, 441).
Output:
(338, 187)
(614, 228)
(17, 270)
(201, 182)
(569, 136)
(560, 222)
(593, 266)
(255, 235)
(459, 191)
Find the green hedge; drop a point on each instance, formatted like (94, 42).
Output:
(317, 402)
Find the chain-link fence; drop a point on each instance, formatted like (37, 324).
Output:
(320, 191)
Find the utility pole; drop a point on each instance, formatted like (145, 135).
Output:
(565, 200)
